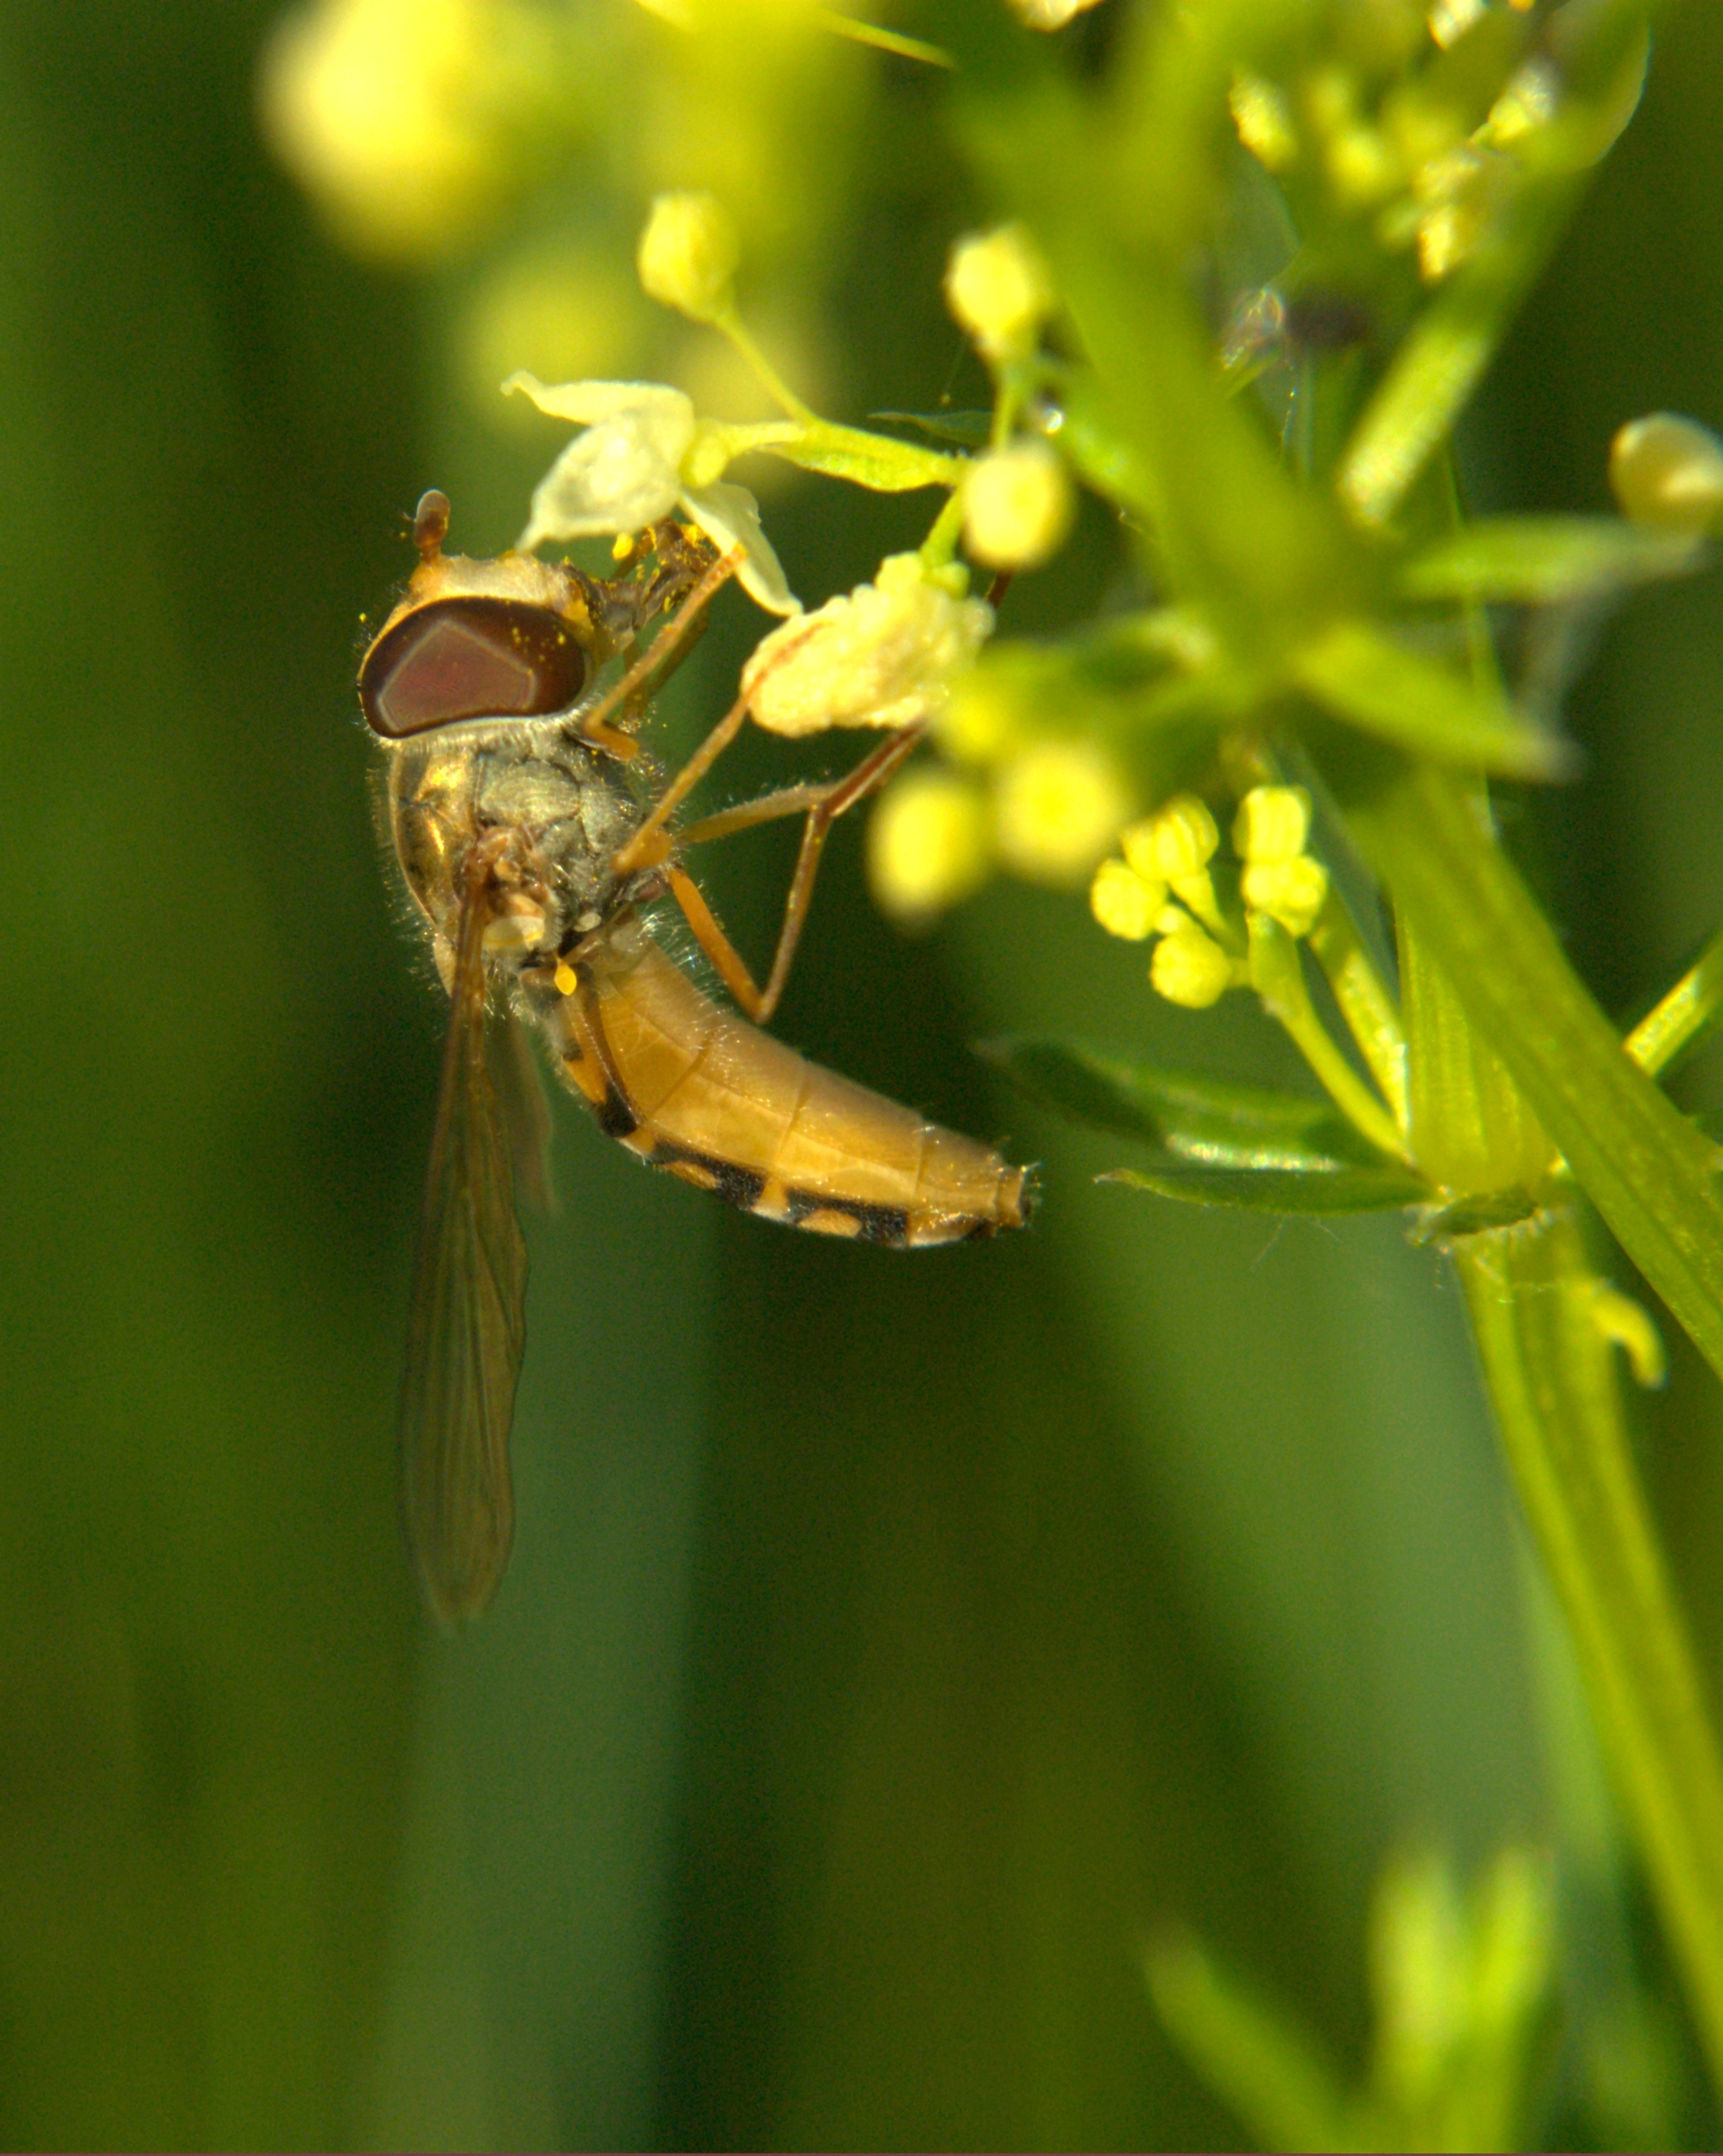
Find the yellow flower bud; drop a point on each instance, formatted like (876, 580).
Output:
(1669, 471)
(998, 288)
(1058, 809)
(1123, 903)
(1272, 823)
(1290, 891)
(1017, 505)
(1176, 842)
(688, 254)
(927, 844)
(1190, 968)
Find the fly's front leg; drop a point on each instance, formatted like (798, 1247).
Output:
(693, 570)
(822, 806)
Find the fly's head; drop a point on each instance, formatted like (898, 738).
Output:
(480, 686)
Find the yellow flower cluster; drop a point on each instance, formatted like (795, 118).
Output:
(1047, 811)
(1382, 128)
(1162, 886)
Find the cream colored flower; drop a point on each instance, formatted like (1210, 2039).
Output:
(884, 655)
(626, 470)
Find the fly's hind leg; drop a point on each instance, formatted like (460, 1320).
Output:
(821, 806)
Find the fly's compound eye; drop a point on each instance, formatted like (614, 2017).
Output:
(469, 658)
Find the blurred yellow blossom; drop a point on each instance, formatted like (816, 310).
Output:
(1017, 505)
(999, 288)
(928, 844)
(1669, 471)
(688, 254)
(1058, 807)
(393, 114)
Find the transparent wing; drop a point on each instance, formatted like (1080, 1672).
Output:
(466, 1328)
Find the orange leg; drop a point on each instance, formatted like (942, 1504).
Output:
(822, 805)
(652, 843)
(667, 652)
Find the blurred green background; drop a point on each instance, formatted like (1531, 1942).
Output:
(892, 1646)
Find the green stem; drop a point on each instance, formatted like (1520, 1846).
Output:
(1365, 1002)
(1278, 977)
(1650, 1172)
(732, 326)
(1551, 1376)
(1690, 1010)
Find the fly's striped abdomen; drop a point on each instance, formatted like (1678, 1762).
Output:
(694, 1089)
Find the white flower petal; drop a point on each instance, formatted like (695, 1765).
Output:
(610, 479)
(585, 403)
(729, 516)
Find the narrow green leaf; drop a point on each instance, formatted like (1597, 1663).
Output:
(1269, 2070)
(1185, 1113)
(870, 460)
(1357, 674)
(1331, 1190)
(1540, 560)
(969, 430)
(1215, 1144)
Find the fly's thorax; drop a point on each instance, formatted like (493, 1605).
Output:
(551, 812)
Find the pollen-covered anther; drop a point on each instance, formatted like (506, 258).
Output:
(1017, 505)
(1292, 892)
(884, 655)
(688, 254)
(929, 844)
(1124, 904)
(999, 290)
(1190, 967)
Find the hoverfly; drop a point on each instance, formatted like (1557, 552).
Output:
(536, 840)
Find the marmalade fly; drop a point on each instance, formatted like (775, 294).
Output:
(536, 840)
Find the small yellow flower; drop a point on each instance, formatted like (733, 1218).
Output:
(1292, 892)
(1123, 903)
(1058, 809)
(688, 254)
(999, 290)
(1177, 841)
(884, 655)
(1272, 823)
(1667, 471)
(1190, 967)
(927, 844)
(1017, 505)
